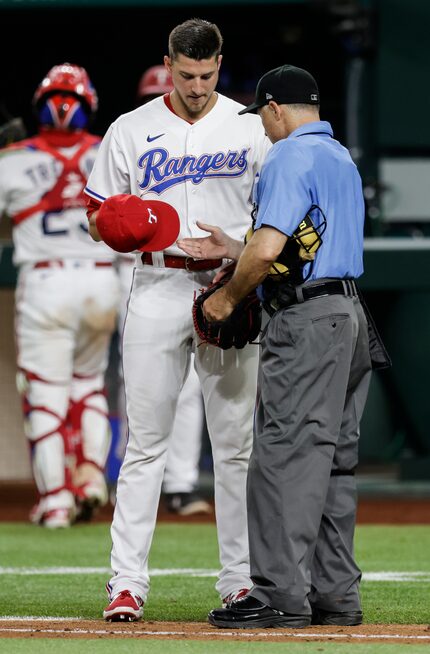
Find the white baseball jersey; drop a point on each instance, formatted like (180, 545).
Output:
(66, 303)
(205, 169)
(41, 190)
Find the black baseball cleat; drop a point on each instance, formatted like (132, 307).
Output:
(336, 618)
(250, 613)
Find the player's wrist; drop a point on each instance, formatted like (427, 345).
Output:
(233, 293)
(234, 249)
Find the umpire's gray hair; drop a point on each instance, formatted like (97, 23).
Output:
(304, 108)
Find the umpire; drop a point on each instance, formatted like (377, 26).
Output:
(314, 371)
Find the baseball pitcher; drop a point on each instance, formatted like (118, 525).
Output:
(181, 473)
(191, 149)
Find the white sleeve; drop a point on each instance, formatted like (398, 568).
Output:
(110, 174)
(261, 147)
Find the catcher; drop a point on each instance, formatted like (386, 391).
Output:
(65, 300)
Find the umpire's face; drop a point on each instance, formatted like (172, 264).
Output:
(194, 82)
(274, 121)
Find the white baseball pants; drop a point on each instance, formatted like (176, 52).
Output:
(157, 345)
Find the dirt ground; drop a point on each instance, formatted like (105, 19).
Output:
(16, 501)
(202, 631)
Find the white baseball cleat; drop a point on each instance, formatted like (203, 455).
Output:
(57, 519)
(53, 518)
(36, 513)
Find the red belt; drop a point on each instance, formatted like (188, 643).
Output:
(58, 263)
(186, 263)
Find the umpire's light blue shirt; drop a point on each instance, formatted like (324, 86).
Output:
(311, 167)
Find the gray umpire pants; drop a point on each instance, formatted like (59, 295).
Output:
(313, 383)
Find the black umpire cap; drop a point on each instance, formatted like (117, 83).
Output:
(285, 85)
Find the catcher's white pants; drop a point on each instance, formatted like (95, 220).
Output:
(157, 345)
(182, 467)
(64, 320)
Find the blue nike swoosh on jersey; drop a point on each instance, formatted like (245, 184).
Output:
(153, 138)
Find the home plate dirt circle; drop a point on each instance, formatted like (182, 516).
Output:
(67, 628)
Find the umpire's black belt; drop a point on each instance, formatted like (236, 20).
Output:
(333, 287)
(286, 297)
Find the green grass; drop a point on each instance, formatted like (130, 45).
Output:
(175, 545)
(185, 598)
(388, 547)
(83, 646)
(400, 549)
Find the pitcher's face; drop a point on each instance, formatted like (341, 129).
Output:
(194, 83)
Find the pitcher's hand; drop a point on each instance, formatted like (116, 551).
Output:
(216, 246)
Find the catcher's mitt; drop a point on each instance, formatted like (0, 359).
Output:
(241, 327)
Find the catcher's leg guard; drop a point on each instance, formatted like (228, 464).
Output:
(45, 408)
(88, 416)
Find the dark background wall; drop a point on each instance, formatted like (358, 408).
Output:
(402, 92)
(116, 44)
(117, 41)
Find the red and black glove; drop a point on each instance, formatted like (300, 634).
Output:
(241, 327)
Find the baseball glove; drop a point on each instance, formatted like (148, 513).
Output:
(241, 327)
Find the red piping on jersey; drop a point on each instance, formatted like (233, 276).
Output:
(168, 103)
(52, 200)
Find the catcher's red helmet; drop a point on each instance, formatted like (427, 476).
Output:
(155, 81)
(68, 78)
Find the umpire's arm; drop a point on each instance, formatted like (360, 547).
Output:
(259, 254)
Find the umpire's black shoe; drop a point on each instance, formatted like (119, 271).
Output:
(336, 618)
(250, 613)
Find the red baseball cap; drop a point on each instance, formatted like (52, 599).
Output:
(127, 223)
